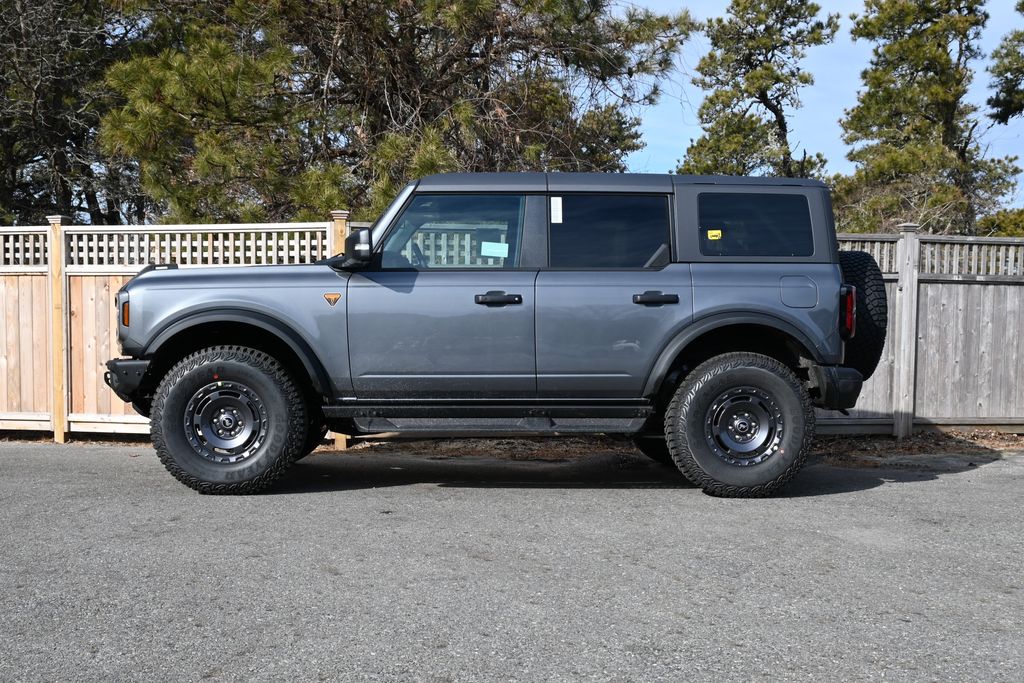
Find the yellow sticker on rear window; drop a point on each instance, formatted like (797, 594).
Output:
(714, 234)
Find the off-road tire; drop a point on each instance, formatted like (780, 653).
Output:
(688, 417)
(315, 433)
(655, 448)
(865, 349)
(283, 427)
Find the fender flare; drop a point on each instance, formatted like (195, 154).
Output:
(702, 326)
(302, 350)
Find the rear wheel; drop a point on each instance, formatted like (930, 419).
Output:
(740, 425)
(228, 419)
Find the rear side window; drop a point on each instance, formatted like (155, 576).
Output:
(749, 224)
(609, 231)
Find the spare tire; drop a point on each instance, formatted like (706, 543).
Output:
(865, 349)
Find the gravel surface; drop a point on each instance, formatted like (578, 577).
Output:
(378, 566)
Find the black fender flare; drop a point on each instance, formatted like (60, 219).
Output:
(302, 350)
(702, 326)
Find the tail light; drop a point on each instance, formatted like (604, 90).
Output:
(847, 311)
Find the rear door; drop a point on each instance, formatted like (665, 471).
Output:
(450, 311)
(610, 299)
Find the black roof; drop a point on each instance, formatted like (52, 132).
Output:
(590, 182)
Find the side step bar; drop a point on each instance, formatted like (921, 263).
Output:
(453, 427)
(592, 408)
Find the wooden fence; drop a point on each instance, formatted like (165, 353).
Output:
(953, 356)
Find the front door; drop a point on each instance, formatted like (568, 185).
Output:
(449, 313)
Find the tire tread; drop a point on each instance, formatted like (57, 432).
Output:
(259, 360)
(684, 396)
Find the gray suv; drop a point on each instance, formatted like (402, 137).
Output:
(704, 316)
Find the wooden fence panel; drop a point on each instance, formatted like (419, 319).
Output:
(970, 356)
(25, 365)
(93, 341)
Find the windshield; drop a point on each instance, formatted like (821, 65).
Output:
(390, 214)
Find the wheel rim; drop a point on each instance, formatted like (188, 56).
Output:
(743, 426)
(225, 422)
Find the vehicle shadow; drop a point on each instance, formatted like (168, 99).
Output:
(601, 470)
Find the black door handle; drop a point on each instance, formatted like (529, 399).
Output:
(498, 299)
(653, 298)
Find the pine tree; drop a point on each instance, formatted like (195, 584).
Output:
(52, 59)
(1008, 71)
(285, 110)
(753, 74)
(914, 136)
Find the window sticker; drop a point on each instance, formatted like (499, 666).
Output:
(714, 234)
(556, 210)
(495, 249)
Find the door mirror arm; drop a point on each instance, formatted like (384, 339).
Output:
(358, 252)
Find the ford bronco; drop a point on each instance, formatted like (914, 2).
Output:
(706, 317)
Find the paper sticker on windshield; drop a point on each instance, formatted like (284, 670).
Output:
(496, 249)
(714, 234)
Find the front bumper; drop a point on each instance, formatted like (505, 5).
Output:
(124, 375)
(838, 387)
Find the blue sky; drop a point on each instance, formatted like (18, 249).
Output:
(669, 126)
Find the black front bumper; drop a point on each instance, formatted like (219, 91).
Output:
(838, 387)
(124, 375)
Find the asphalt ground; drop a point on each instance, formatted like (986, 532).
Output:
(416, 567)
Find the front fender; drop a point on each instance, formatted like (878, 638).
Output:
(310, 361)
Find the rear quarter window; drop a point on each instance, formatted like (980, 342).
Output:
(754, 224)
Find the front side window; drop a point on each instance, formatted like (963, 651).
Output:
(457, 231)
(608, 231)
(754, 224)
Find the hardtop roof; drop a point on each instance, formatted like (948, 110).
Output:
(591, 182)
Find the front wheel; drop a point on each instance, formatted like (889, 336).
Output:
(655, 448)
(740, 425)
(228, 419)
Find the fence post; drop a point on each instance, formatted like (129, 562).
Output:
(905, 378)
(339, 230)
(336, 243)
(58, 327)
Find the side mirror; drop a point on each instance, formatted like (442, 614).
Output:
(358, 249)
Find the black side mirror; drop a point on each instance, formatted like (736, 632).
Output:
(358, 249)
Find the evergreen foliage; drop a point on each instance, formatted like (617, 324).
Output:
(1008, 72)
(753, 76)
(128, 111)
(52, 59)
(257, 111)
(914, 137)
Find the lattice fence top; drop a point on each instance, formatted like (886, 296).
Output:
(23, 248)
(226, 245)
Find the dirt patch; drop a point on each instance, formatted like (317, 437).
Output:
(539, 448)
(870, 450)
(924, 442)
(950, 451)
